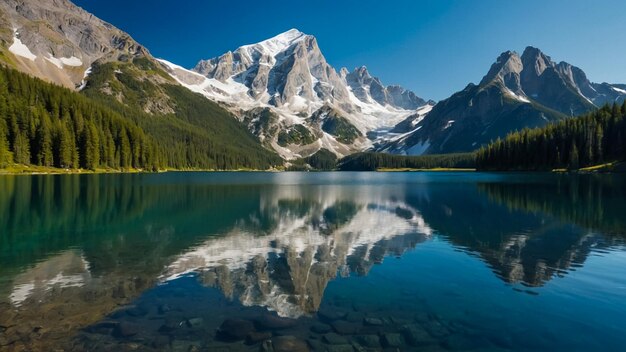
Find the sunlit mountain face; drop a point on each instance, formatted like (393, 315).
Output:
(162, 261)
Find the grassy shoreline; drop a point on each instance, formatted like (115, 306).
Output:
(435, 169)
(18, 169)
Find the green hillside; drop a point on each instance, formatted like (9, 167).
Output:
(42, 124)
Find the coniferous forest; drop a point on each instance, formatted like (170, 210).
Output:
(375, 161)
(46, 125)
(588, 140)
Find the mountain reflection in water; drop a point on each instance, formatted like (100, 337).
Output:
(285, 261)
(95, 251)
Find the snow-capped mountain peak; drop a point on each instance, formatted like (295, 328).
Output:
(285, 81)
(277, 44)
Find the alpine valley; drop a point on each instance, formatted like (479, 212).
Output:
(260, 106)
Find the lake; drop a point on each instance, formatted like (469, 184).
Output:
(313, 261)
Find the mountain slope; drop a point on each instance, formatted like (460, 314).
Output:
(58, 41)
(289, 76)
(518, 91)
(192, 132)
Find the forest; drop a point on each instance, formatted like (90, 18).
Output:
(588, 140)
(374, 161)
(47, 125)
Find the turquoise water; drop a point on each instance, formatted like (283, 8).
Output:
(313, 261)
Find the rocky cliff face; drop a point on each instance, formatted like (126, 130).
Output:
(57, 41)
(370, 89)
(289, 76)
(529, 90)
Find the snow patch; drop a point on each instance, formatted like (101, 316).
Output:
(621, 91)
(83, 83)
(18, 48)
(64, 61)
(517, 97)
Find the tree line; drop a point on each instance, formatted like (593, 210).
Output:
(588, 140)
(373, 161)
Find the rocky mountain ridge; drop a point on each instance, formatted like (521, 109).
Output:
(519, 91)
(289, 77)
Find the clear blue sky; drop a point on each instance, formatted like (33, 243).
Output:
(433, 47)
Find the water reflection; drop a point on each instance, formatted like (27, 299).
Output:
(284, 256)
(67, 269)
(80, 256)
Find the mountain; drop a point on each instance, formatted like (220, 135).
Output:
(523, 91)
(65, 45)
(370, 89)
(284, 86)
(58, 41)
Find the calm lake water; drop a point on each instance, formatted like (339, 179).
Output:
(313, 261)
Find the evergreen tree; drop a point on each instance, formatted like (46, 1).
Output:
(573, 157)
(5, 155)
(21, 149)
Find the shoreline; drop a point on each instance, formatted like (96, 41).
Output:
(22, 170)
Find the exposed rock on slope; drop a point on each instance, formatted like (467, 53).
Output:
(289, 76)
(58, 41)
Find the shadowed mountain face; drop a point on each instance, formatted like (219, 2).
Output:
(529, 90)
(272, 242)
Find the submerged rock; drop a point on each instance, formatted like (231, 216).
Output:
(321, 328)
(345, 328)
(195, 322)
(125, 329)
(392, 340)
(160, 341)
(234, 329)
(330, 315)
(340, 348)
(164, 308)
(436, 329)
(373, 321)
(255, 337)
(284, 344)
(334, 339)
(171, 323)
(355, 317)
(104, 327)
(416, 335)
(272, 322)
(369, 340)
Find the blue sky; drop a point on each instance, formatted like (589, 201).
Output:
(433, 47)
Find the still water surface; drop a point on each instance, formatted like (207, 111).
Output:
(313, 261)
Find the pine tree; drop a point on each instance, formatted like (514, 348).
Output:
(599, 150)
(90, 150)
(21, 149)
(5, 156)
(573, 158)
(44, 143)
(65, 148)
